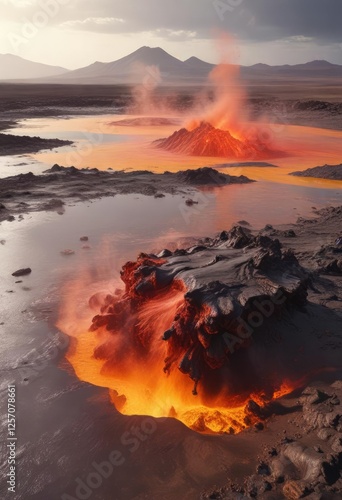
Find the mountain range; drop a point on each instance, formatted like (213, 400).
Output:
(16, 68)
(153, 65)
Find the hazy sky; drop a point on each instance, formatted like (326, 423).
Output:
(75, 33)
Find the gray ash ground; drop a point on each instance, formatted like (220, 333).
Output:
(305, 458)
(307, 461)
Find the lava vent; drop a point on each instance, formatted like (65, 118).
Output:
(206, 140)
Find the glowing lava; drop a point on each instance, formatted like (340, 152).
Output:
(126, 350)
(206, 140)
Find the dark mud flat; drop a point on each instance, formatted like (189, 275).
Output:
(284, 102)
(50, 191)
(332, 172)
(18, 145)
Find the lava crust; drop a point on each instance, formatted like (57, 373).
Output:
(221, 287)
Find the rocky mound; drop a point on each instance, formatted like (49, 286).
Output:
(208, 176)
(17, 145)
(333, 172)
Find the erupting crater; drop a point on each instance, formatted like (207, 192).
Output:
(206, 140)
(185, 339)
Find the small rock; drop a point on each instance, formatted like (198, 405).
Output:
(191, 202)
(273, 452)
(224, 236)
(22, 272)
(84, 238)
(312, 396)
(337, 444)
(67, 252)
(263, 469)
(164, 253)
(290, 234)
(295, 489)
(325, 434)
(256, 486)
(337, 384)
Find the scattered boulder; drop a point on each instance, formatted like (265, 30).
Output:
(189, 202)
(67, 252)
(289, 234)
(22, 272)
(293, 490)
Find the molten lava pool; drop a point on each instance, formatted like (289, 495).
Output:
(130, 359)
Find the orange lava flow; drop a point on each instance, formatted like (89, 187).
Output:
(130, 361)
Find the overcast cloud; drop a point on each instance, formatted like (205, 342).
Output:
(309, 23)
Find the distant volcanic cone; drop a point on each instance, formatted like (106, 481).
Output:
(206, 140)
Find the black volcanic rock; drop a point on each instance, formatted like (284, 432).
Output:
(22, 272)
(223, 283)
(17, 145)
(208, 176)
(332, 172)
